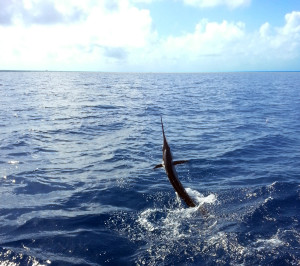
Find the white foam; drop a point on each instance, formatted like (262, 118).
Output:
(13, 162)
(170, 222)
(144, 220)
(268, 199)
(200, 198)
(271, 243)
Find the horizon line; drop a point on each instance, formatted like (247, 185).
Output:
(150, 72)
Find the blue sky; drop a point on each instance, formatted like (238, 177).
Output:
(150, 35)
(184, 17)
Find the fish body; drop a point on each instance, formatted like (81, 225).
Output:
(169, 166)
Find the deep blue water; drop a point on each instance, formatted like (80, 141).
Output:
(77, 185)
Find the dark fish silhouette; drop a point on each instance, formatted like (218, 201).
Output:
(169, 166)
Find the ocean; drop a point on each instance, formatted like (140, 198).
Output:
(77, 184)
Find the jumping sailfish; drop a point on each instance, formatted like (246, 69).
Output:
(169, 166)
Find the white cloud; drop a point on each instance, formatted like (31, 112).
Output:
(292, 23)
(278, 43)
(284, 42)
(208, 48)
(214, 3)
(227, 46)
(142, 1)
(209, 38)
(103, 32)
(112, 35)
(37, 12)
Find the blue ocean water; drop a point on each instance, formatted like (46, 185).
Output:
(77, 185)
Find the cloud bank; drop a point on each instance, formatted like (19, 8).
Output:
(112, 35)
(214, 3)
(38, 12)
(227, 46)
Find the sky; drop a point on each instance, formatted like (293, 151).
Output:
(150, 35)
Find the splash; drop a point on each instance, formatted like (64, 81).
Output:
(200, 198)
(174, 230)
(173, 234)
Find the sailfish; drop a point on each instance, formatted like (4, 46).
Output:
(169, 166)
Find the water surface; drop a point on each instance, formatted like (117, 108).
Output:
(77, 185)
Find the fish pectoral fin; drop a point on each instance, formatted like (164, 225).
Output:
(158, 166)
(180, 162)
